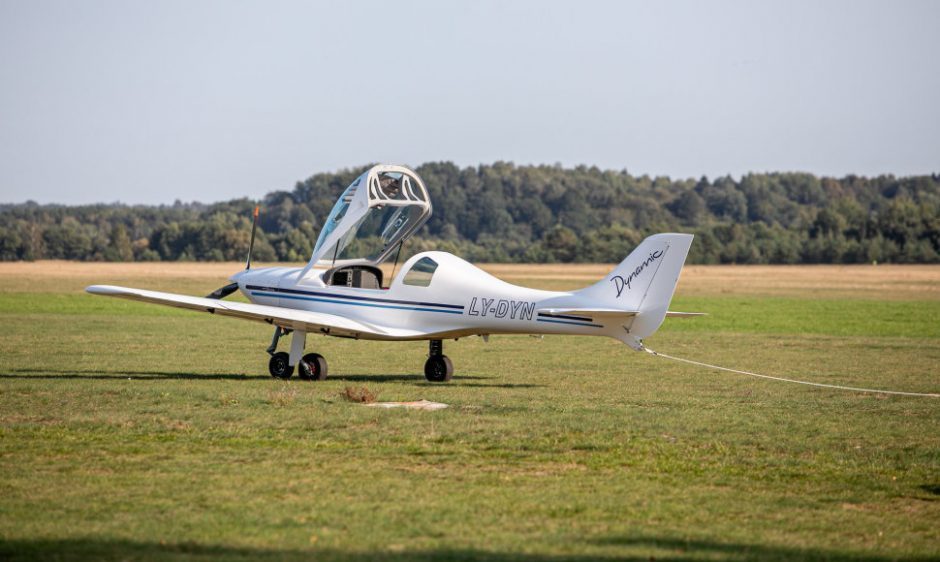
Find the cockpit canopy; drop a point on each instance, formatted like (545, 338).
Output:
(381, 208)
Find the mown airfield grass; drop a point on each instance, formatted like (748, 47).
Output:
(130, 431)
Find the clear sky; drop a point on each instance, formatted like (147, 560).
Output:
(150, 101)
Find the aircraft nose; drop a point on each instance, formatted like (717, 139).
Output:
(241, 275)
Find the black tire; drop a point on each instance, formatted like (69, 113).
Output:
(279, 366)
(438, 368)
(312, 367)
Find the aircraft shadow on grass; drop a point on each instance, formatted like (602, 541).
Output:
(682, 549)
(97, 374)
(457, 383)
(665, 549)
(419, 380)
(931, 489)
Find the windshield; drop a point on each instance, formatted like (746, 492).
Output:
(380, 228)
(381, 208)
(337, 214)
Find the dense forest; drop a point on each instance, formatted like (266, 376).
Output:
(508, 213)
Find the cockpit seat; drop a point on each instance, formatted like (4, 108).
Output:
(357, 276)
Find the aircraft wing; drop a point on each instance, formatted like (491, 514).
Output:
(611, 312)
(290, 318)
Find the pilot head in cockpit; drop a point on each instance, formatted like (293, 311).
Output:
(390, 186)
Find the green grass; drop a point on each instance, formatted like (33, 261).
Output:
(130, 431)
(832, 317)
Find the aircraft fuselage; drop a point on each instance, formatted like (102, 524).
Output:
(460, 300)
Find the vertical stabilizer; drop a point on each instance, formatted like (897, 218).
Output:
(645, 282)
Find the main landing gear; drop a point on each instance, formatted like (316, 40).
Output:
(279, 366)
(312, 366)
(438, 367)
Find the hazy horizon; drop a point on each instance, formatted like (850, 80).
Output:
(148, 103)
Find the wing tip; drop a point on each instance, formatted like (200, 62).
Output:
(104, 290)
(675, 314)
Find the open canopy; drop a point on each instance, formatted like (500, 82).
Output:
(381, 208)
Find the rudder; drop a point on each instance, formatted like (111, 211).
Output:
(645, 282)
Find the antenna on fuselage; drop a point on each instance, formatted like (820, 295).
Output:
(251, 243)
(398, 253)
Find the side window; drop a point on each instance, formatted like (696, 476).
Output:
(421, 273)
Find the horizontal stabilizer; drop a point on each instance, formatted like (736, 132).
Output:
(594, 312)
(672, 314)
(612, 312)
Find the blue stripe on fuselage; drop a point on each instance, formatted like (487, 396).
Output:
(572, 323)
(333, 301)
(350, 297)
(296, 294)
(564, 317)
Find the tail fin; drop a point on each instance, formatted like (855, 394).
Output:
(644, 282)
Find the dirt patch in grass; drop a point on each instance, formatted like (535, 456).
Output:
(358, 394)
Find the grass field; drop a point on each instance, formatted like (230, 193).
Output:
(130, 431)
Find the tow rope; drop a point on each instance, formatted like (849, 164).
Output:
(782, 379)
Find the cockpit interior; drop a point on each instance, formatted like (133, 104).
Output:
(369, 223)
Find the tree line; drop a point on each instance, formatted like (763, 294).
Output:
(508, 213)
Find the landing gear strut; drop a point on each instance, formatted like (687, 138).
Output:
(311, 366)
(438, 367)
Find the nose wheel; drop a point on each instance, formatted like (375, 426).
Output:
(438, 367)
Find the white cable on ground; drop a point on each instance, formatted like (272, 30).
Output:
(871, 390)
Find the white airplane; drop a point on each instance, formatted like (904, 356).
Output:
(435, 296)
